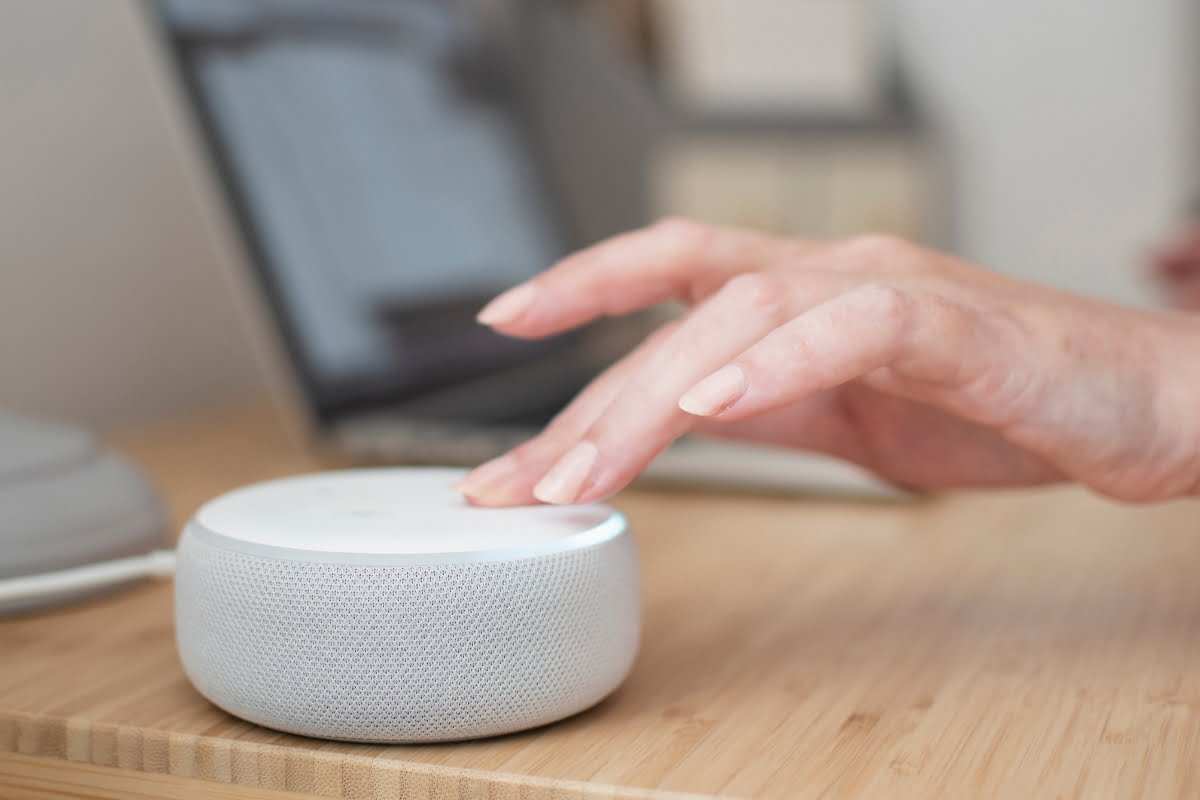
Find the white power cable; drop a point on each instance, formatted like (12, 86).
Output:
(156, 564)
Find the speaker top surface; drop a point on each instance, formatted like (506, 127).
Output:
(393, 514)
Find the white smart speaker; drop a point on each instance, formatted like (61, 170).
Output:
(376, 605)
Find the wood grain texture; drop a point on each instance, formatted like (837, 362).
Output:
(1022, 644)
(33, 778)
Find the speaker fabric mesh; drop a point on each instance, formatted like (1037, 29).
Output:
(406, 652)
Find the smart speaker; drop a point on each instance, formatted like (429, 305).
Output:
(376, 605)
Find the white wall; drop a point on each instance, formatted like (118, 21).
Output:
(1072, 128)
(110, 306)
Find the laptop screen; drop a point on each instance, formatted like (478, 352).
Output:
(384, 176)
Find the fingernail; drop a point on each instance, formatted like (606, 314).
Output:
(508, 306)
(716, 392)
(563, 483)
(486, 475)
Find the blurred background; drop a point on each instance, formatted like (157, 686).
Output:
(1053, 141)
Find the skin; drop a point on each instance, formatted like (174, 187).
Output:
(1176, 268)
(929, 371)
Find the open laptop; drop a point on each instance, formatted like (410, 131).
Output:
(380, 169)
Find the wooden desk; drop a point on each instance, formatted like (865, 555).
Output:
(1028, 645)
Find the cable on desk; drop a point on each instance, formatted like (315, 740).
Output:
(156, 564)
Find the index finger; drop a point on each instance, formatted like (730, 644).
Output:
(671, 260)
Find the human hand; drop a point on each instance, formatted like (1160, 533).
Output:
(929, 371)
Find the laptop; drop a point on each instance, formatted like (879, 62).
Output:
(377, 170)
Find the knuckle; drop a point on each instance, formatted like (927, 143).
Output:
(788, 347)
(681, 235)
(691, 344)
(949, 320)
(888, 303)
(879, 251)
(756, 292)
